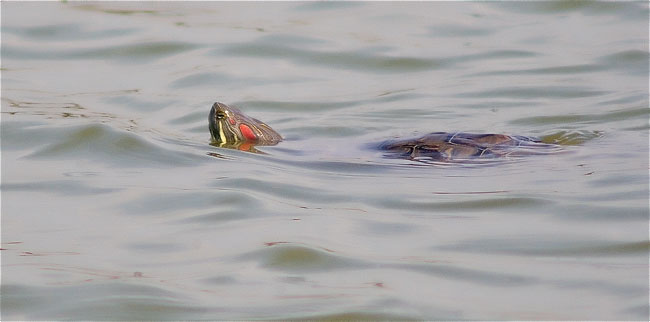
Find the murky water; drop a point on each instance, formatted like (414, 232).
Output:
(115, 206)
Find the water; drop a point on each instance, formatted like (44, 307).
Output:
(115, 206)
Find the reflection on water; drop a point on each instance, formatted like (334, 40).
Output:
(116, 206)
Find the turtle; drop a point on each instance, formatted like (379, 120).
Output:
(231, 128)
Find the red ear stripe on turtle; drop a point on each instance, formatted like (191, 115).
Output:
(247, 132)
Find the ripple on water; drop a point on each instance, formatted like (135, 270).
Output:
(554, 70)
(585, 212)
(341, 59)
(452, 30)
(189, 203)
(632, 62)
(571, 137)
(126, 53)
(292, 257)
(140, 104)
(99, 302)
(568, 246)
(565, 6)
(212, 79)
(546, 92)
(327, 5)
(281, 190)
(63, 187)
(483, 204)
(102, 143)
(593, 118)
(66, 32)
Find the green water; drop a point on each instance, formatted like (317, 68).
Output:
(116, 207)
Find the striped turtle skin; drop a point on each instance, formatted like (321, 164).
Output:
(231, 128)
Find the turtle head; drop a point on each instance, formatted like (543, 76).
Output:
(230, 127)
(223, 124)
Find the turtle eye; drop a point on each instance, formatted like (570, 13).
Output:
(221, 115)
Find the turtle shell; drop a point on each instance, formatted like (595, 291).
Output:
(443, 146)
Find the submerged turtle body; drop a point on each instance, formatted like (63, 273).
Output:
(229, 127)
(443, 146)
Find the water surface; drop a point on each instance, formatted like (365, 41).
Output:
(115, 205)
